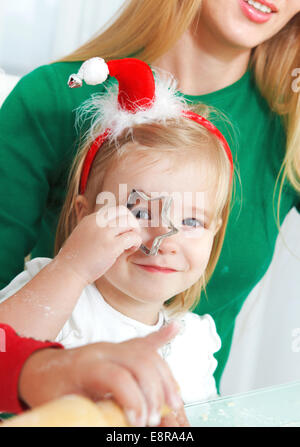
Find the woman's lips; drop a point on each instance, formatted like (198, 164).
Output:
(253, 14)
(156, 269)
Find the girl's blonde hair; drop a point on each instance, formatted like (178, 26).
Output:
(149, 28)
(151, 143)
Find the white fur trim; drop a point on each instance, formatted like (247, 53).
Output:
(105, 113)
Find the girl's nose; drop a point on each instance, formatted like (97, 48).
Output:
(168, 244)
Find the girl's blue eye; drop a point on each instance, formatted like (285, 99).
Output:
(192, 222)
(141, 213)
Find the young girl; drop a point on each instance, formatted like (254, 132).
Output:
(124, 268)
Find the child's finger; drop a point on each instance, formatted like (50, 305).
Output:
(115, 217)
(123, 224)
(165, 334)
(126, 241)
(150, 383)
(171, 388)
(115, 380)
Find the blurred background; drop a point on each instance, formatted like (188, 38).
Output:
(36, 32)
(266, 345)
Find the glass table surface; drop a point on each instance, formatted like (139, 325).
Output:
(276, 406)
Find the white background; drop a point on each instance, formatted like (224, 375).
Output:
(35, 32)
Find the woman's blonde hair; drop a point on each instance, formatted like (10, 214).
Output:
(149, 28)
(151, 143)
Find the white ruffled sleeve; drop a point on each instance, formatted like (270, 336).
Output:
(192, 358)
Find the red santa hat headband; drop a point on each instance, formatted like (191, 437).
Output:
(139, 100)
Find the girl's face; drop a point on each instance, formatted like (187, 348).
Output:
(242, 23)
(185, 255)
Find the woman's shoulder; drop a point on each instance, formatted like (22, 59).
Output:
(45, 82)
(44, 107)
(46, 87)
(39, 94)
(50, 72)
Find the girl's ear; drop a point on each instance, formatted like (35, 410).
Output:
(81, 207)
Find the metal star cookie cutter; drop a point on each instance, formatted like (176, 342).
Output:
(164, 215)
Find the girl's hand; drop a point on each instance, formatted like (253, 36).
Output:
(98, 240)
(132, 373)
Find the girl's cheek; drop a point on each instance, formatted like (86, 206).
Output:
(198, 250)
(197, 233)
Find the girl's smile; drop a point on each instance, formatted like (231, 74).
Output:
(155, 268)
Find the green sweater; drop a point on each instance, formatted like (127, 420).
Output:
(37, 145)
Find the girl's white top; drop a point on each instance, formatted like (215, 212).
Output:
(189, 355)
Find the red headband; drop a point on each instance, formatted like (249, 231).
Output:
(136, 95)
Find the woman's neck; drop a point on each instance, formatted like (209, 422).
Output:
(204, 64)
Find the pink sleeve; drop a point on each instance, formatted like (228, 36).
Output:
(14, 351)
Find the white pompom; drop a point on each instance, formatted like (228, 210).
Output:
(94, 71)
